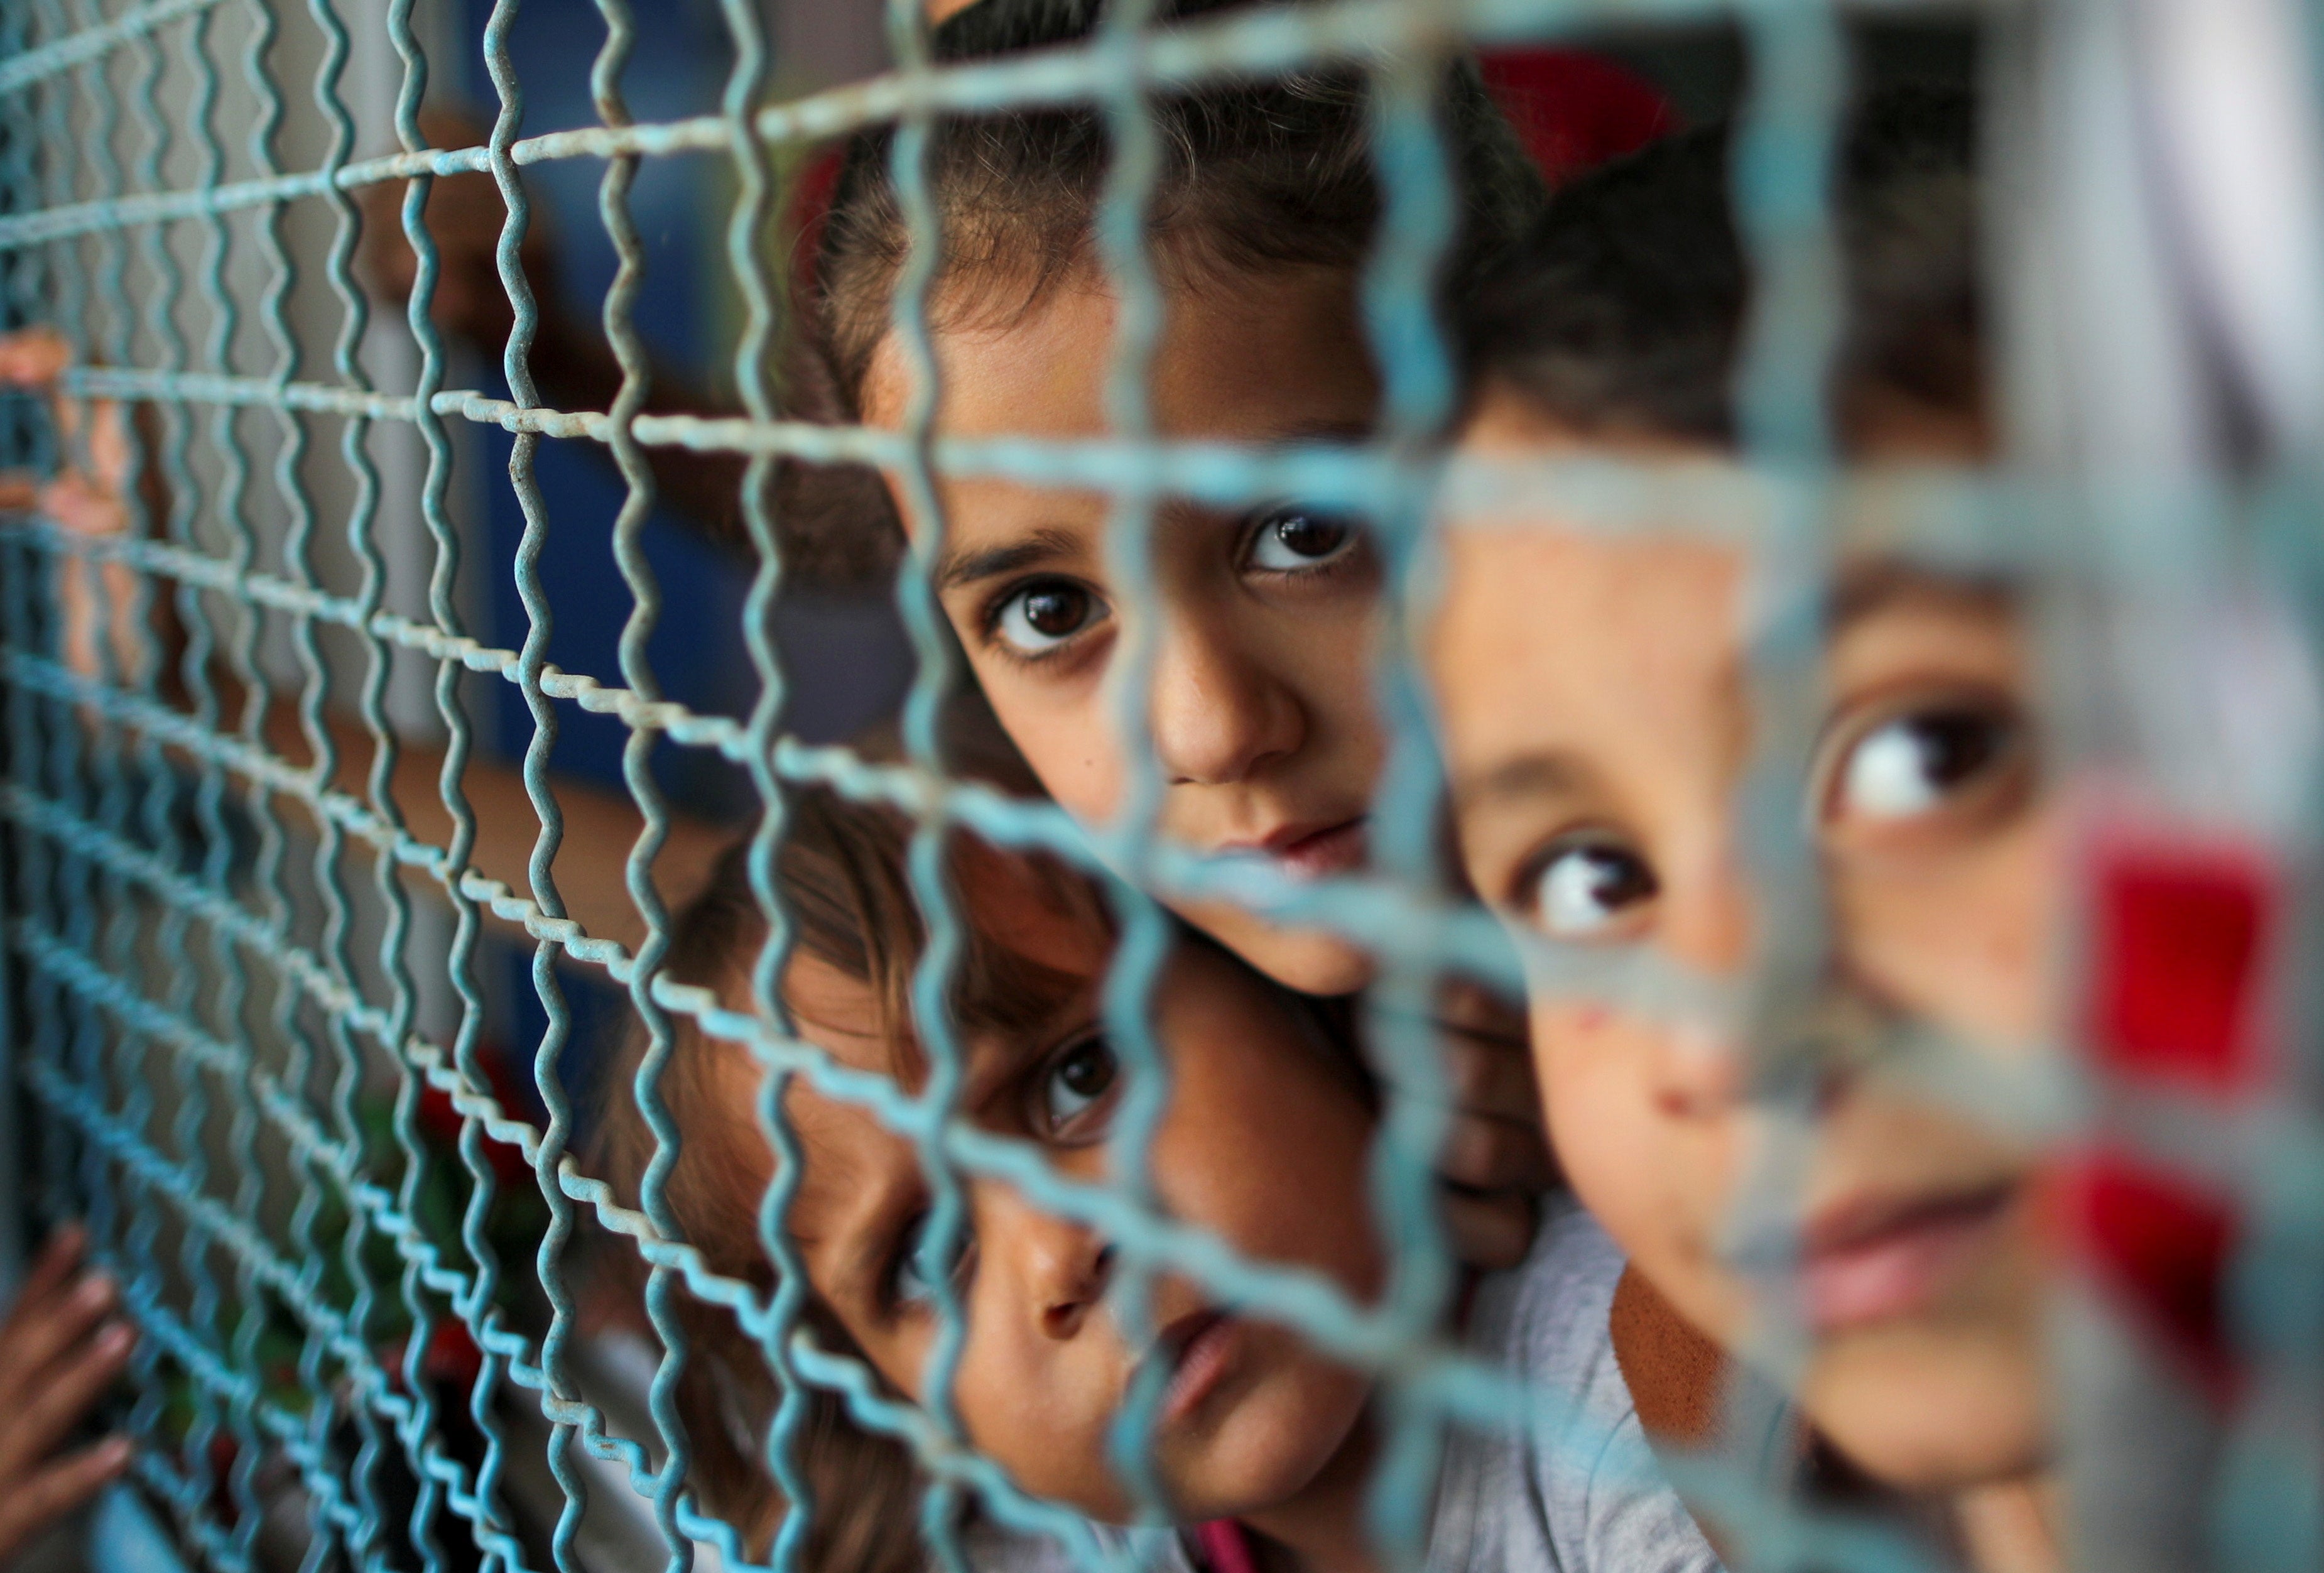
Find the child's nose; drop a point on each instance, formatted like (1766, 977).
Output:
(1705, 923)
(1803, 1049)
(1216, 714)
(1062, 1268)
(1700, 1070)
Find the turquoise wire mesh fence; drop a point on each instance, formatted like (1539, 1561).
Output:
(225, 933)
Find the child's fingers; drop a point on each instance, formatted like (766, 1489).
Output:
(1489, 1076)
(30, 1428)
(28, 1506)
(1490, 1233)
(1463, 1006)
(108, 444)
(1489, 1154)
(52, 1269)
(82, 507)
(31, 1347)
(97, 598)
(32, 357)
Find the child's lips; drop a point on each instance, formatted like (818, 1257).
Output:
(1311, 851)
(1199, 1346)
(1879, 1259)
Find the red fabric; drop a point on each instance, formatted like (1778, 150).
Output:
(2161, 1243)
(2180, 932)
(453, 1357)
(452, 1360)
(1572, 110)
(1224, 1547)
(439, 1119)
(2179, 942)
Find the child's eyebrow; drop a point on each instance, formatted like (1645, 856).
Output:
(956, 568)
(1548, 774)
(1868, 588)
(851, 1246)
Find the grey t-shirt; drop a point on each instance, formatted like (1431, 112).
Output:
(1590, 1499)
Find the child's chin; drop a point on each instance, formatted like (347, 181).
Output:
(1310, 960)
(1269, 1448)
(1933, 1411)
(1230, 1484)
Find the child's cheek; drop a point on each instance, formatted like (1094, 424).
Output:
(1014, 1412)
(1064, 732)
(900, 1361)
(1256, 1123)
(1649, 1179)
(1965, 944)
(1595, 1102)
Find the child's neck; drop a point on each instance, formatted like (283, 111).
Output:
(2011, 1526)
(1322, 1529)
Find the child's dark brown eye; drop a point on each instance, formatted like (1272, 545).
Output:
(1039, 617)
(1293, 540)
(908, 1287)
(1583, 889)
(1913, 764)
(1076, 1082)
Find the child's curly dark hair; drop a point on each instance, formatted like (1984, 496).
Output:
(1254, 176)
(1623, 312)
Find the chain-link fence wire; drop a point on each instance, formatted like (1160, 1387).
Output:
(233, 984)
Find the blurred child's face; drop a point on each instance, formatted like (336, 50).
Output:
(1598, 722)
(1260, 705)
(1252, 1416)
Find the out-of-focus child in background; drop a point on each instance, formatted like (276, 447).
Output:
(1599, 716)
(1256, 1426)
(85, 492)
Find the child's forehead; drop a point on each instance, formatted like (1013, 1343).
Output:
(1010, 900)
(1526, 606)
(1514, 549)
(1504, 423)
(1545, 588)
(849, 1164)
(1270, 352)
(840, 1014)
(1016, 910)
(1559, 635)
